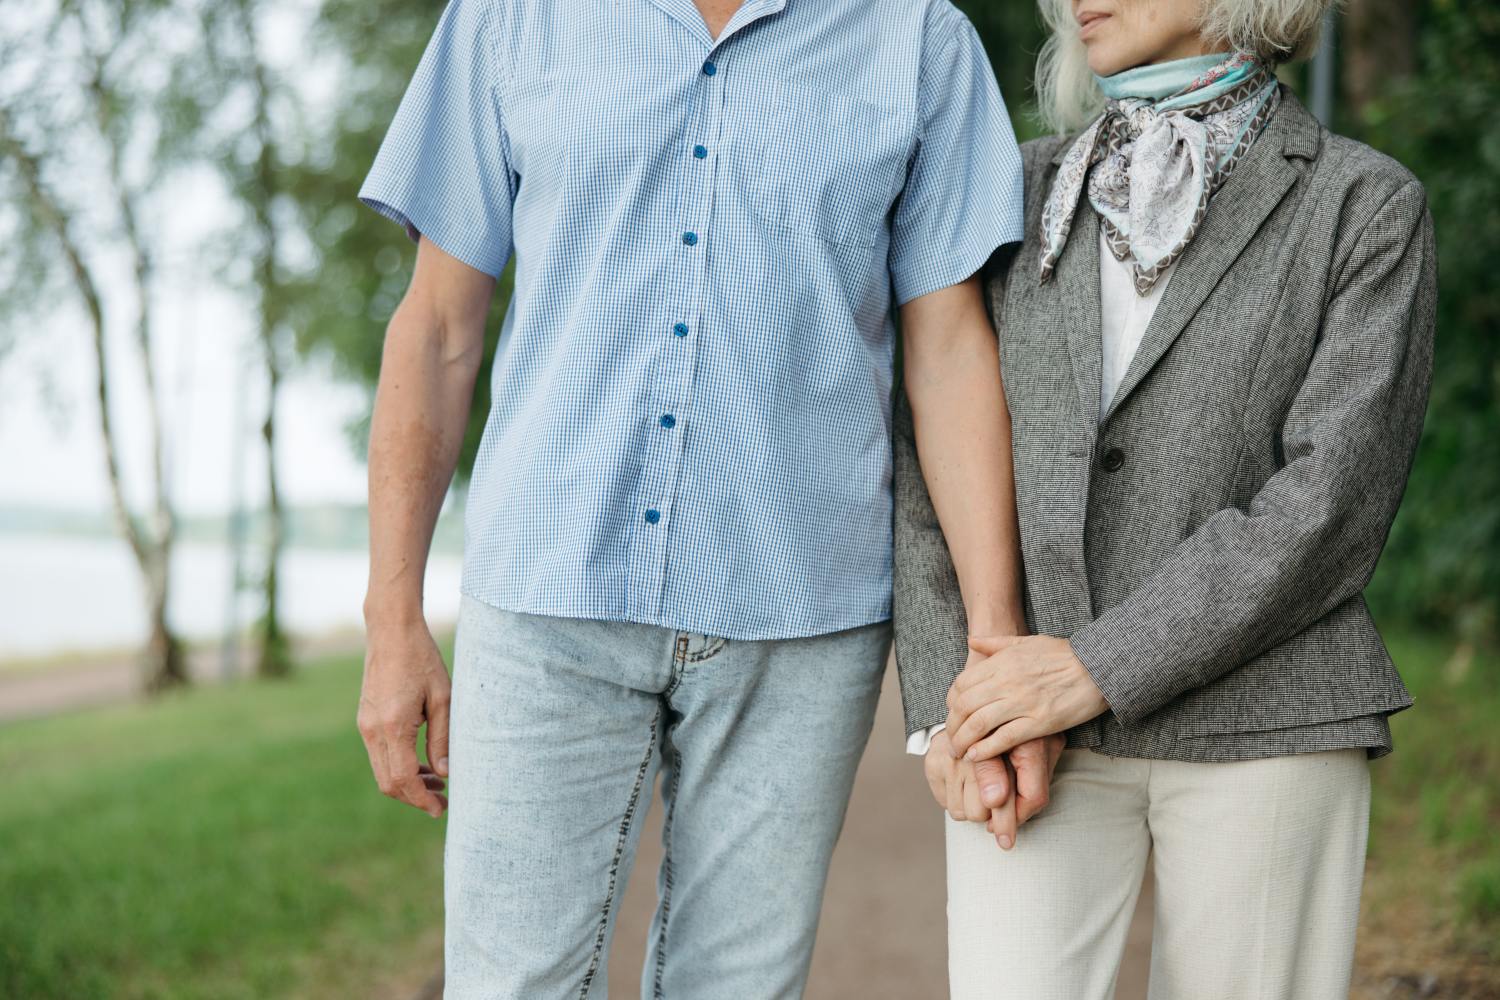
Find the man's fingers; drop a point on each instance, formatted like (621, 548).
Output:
(437, 727)
(403, 779)
(974, 808)
(955, 795)
(1033, 779)
(935, 780)
(994, 782)
(1003, 822)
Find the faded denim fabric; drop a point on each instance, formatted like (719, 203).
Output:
(560, 728)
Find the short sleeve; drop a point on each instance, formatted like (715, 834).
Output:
(963, 197)
(443, 169)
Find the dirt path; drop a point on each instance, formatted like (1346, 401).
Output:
(34, 691)
(883, 934)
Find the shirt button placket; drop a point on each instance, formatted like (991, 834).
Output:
(696, 172)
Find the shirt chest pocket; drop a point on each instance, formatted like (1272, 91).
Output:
(829, 165)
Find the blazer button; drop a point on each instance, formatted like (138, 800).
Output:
(1113, 459)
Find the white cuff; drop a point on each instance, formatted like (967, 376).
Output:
(918, 743)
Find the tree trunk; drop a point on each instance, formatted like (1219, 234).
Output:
(164, 666)
(258, 191)
(275, 652)
(1378, 43)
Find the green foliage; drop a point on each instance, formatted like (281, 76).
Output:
(1436, 800)
(1442, 565)
(1012, 34)
(341, 303)
(219, 844)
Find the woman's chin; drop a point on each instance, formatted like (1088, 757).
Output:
(1107, 65)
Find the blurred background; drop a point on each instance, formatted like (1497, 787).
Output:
(191, 312)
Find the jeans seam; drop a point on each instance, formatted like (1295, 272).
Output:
(679, 666)
(666, 869)
(614, 867)
(712, 646)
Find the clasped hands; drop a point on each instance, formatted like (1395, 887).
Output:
(1007, 711)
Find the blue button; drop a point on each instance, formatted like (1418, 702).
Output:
(700, 151)
(680, 329)
(709, 69)
(691, 239)
(653, 515)
(668, 421)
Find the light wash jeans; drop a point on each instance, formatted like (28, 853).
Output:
(559, 728)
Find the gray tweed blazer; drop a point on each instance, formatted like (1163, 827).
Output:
(1205, 546)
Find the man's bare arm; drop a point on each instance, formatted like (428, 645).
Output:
(962, 423)
(431, 358)
(952, 377)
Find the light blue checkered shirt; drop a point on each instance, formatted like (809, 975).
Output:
(692, 390)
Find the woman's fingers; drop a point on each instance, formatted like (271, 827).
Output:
(985, 720)
(1005, 738)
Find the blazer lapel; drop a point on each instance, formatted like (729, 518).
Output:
(1250, 194)
(1077, 278)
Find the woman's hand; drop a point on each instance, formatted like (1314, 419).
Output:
(1025, 688)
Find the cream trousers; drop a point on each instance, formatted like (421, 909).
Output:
(1258, 871)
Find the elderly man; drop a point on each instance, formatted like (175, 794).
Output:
(678, 553)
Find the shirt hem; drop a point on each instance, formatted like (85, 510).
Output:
(798, 630)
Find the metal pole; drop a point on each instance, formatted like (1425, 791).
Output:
(1322, 72)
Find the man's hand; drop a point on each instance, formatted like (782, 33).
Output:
(969, 791)
(406, 684)
(1025, 688)
(1031, 766)
(431, 358)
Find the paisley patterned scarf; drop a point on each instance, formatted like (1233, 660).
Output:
(1169, 136)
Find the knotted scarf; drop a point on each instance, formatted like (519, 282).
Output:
(1169, 136)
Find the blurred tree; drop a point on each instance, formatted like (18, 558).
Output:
(81, 163)
(1012, 33)
(1442, 565)
(1378, 42)
(340, 304)
(233, 86)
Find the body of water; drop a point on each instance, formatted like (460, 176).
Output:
(62, 594)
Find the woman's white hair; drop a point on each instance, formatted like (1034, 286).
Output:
(1274, 30)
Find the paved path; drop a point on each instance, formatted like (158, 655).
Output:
(30, 692)
(883, 930)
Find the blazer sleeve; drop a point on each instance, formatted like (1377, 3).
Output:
(1248, 579)
(931, 625)
(927, 607)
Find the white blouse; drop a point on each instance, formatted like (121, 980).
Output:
(1124, 317)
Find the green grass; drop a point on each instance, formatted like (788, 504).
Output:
(1432, 893)
(229, 843)
(219, 843)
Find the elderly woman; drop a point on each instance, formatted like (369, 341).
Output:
(1216, 343)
